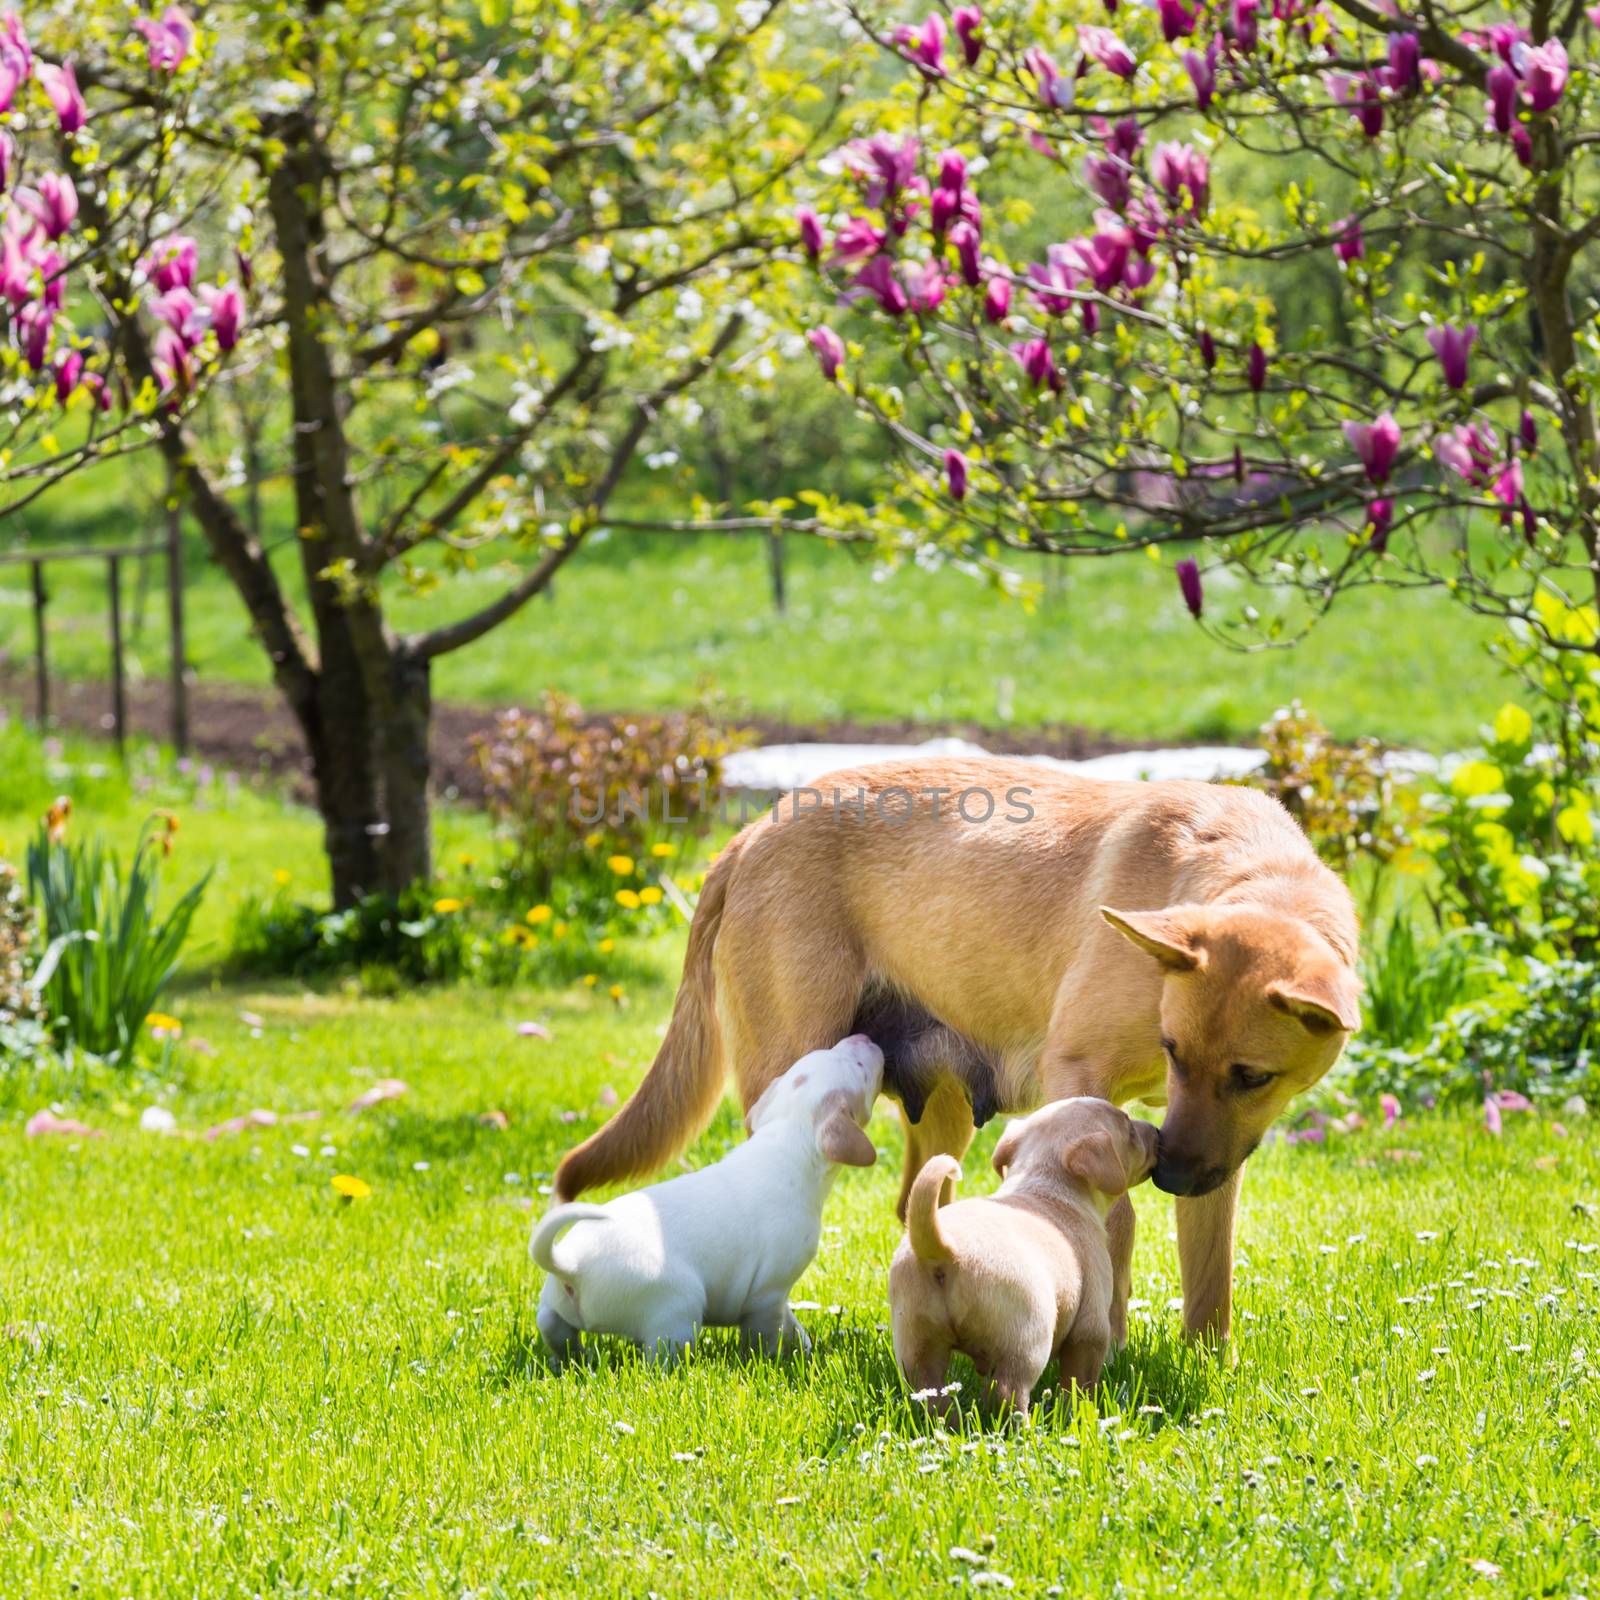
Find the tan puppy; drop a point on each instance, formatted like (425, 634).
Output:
(1007, 935)
(1024, 1275)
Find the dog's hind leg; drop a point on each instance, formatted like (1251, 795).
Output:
(945, 1128)
(558, 1334)
(769, 1328)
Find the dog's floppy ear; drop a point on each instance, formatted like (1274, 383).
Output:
(1166, 935)
(1095, 1158)
(840, 1137)
(1005, 1152)
(1321, 1002)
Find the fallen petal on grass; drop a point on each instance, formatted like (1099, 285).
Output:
(251, 1119)
(43, 1122)
(383, 1089)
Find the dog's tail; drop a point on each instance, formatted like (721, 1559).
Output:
(555, 1222)
(684, 1083)
(922, 1210)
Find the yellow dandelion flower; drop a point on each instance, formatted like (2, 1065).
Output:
(539, 914)
(349, 1187)
(650, 896)
(562, 929)
(448, 906)
(162, 1026)
(606, 946)
(590, 979)
(282, 877)
(467, 860)
(628, 899)
(621, 865)
(661, 851)
(615, 991)
(590, 840)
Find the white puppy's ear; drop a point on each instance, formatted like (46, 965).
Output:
(840, 1137)
(1006, 1151)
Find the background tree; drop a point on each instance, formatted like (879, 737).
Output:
(1313, 285)
(483, 249)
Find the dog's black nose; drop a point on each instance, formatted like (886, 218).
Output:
(1185, 1177)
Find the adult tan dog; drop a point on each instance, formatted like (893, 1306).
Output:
(958, 913)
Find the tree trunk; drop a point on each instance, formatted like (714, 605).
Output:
(403, 722)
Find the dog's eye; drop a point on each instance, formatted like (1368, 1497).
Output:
(1246, 1078)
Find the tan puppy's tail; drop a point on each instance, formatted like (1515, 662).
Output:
(922, 1210)
(684, 1083)
(555, 1222)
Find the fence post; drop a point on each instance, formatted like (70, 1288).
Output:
(180, 689)
(775, 562)
(41, 665)
(119, 696)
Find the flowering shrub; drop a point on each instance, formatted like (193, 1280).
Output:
(21, 1028)
(1161, 367)
(1343, 795)
(581, 799)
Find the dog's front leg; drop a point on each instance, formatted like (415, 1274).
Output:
(1205, 1260)
(1119, 1240)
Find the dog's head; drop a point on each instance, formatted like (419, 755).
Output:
(1255, 1007)
(832, 1092)
(1089, 1140)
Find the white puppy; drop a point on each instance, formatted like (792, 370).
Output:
(723, 1245)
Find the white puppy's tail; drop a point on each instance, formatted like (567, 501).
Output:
(922, 1210)
(550, 1228)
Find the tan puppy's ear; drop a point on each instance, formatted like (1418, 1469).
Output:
(840, 1137)
(1323, 1003)
(1096, 1159)
(1163, 934)
(1005, 1152)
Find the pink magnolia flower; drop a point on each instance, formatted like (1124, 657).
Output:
(14, 38)
(1502, 86)
(1110, 178)
(1188, 571)
(180, 311)
(1208, 349)
(172, 263)
(1055, 88)
(1390, 1106)
(1528, 432)
(36, 323)
(60, 85)
(888, 166)
(966, 22)
(1593, 14)
(927, 285)
(953, 171)
(966, 240)
(1544, 72)
(829, 348)
(225, 308)
(1179, 169)
(1360, 94)
(1522, 143)
(173, 363)
(1038, 363)
(810, 225)
(1256, 368)
(1055, 280)
(1103, 46)
(14, 71)
(925, 45)
(1380, 516)
(1511, 1100)
(1507, 484)
(1376, 443)
(857, 240)
(1452, 346)
(16, 271)
(169, 39)
(1404, 72)
(54, 205)
(1349, 244)
(1177, 20)
(1245, 29)
(955, 472)
(69, 369)
(52, 273)
(1202, 70)
(1491, 1117)
(879, 279)
(8, 158)
(45, 1122)
(949, 204)
(997, 299)
(1467, 450)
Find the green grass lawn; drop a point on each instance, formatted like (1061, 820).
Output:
(218, 1378)
(640, 624)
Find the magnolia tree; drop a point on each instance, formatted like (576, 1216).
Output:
(467, 255)
(1077, 261)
